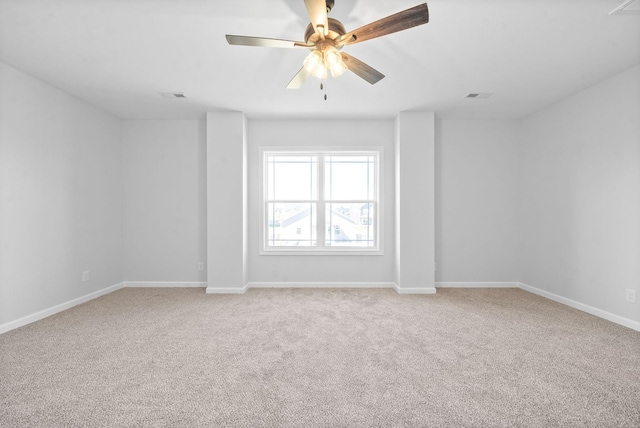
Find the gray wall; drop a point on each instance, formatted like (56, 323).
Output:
(580, 196)
(476, 201)
(321, 133)
(551, 201)
(60, 197)
(164, 212)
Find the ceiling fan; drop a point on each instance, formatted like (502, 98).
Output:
(325, 37)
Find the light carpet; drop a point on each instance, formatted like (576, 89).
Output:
(320, 358)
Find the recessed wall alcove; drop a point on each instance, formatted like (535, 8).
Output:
(234, 262)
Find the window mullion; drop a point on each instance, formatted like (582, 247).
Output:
(320, 210)
(270, 232)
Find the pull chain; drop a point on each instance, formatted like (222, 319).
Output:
(324, 87)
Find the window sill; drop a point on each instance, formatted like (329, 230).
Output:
(314, 252)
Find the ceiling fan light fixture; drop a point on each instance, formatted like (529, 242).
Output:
(314, 63)
(333, 61)
(322, 61)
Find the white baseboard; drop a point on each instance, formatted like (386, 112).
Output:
(226, 290)
(415, 290)
(320, 285)
(635, 325)
(477, 284)
(341, 285)
(12, 325)
(159, 284)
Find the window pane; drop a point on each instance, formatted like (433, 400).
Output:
(292, 177)
(349, 177)
(350, 225)
(291, 225)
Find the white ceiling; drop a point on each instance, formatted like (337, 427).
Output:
(120, 54)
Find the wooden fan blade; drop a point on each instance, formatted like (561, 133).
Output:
(361, 69)
(263, 42)
(299, 79)
(317, 10)
(404, 20)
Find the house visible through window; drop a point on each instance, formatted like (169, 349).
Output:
(321, 201)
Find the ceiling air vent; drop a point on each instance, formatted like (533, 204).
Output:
(479, 95)
(629, 7)
(172, 95)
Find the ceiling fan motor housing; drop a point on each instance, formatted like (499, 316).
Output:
(336, 29)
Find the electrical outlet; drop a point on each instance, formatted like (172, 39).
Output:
(631, 295)
(201, 266)
(85, 276)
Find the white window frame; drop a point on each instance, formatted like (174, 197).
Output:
(320, 249)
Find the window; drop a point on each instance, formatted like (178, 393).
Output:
(321, 201)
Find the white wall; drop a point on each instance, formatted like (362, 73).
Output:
(318, 133)
(60, 197)
(580, 196)
(414, 202)
(552, 201)
(164, 168)
(476, 200)
(226, 202)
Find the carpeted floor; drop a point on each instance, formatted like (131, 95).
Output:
(320, 358)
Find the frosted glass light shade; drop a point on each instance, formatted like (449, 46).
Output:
(333, 61)
(319, 62)
(314, 63)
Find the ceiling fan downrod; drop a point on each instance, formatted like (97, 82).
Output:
(330, 4)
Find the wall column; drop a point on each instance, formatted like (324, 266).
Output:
(415, 203)
(226, 202)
